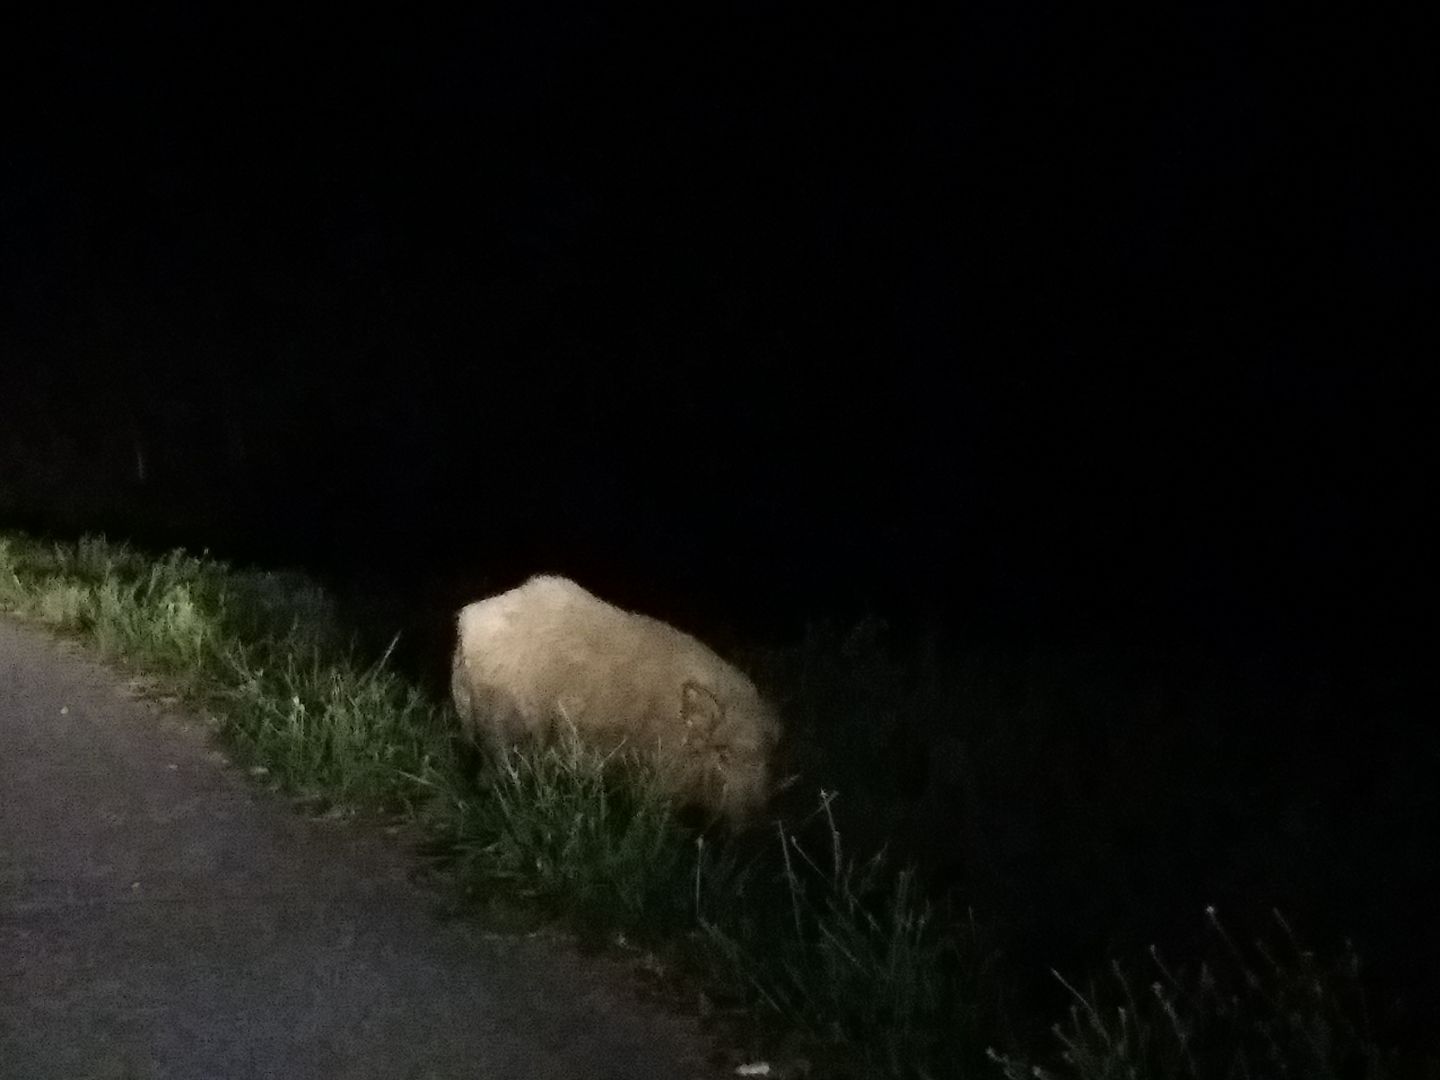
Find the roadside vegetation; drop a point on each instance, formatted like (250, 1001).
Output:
(832, 955)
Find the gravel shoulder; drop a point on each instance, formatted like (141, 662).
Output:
(163, 917)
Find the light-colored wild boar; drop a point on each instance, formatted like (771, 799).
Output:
(549, 652)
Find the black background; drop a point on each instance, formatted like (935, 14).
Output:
(1025, 310)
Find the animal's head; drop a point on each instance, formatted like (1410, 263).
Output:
(729, 742)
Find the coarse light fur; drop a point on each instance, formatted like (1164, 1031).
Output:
(549, 653)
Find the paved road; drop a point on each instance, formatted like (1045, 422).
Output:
(161, 917)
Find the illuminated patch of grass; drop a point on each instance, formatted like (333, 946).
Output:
(333, 730)
(574, 830)
(261, 649)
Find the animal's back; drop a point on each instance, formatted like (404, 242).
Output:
(548, 616)
(552, 644)
(544, 647)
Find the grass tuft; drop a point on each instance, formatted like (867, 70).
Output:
(880, 980)
(588, 834)
(1275, 1010)
(331, 729)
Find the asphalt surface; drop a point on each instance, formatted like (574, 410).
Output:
(163, 917)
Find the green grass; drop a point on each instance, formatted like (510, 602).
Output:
(573, 831)
(1276, 1010)
(834, 954)
(855, 956)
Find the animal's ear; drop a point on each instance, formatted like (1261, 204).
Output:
(699, 707)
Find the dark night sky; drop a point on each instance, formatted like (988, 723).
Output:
(1033, 312)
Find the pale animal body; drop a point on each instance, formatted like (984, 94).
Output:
(550, 653)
